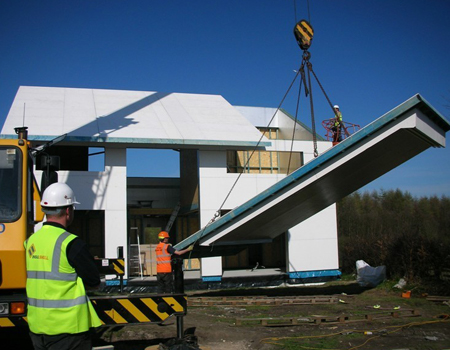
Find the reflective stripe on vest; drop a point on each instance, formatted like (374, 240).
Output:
(54, 304)
(163, 258)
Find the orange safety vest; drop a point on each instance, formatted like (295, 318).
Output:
(163, 258)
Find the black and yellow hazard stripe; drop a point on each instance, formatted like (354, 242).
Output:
(118, 266)
(304, 34)
(123, 310)
(111, 266)
(138, 309)
(305, 29)
(16, 321)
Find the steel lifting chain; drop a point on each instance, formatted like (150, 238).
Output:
(323, 90)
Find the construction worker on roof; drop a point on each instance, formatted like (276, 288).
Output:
(164, 252)
(59, 267)
(337, 124)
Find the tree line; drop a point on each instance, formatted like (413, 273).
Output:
(409, 235)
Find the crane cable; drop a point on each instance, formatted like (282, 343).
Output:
(217, 213)
(309, 65)
(324, 93)
(308, 91)
(295, 124)
(304, 33)
(295, 11)
(306, 56)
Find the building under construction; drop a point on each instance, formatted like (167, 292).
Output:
(250, 197)
(217, 144)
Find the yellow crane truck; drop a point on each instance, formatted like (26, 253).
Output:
(20, 211)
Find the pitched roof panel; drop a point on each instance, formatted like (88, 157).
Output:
(139, 117)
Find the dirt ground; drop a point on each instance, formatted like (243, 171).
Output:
(421, 323)
(398, 323)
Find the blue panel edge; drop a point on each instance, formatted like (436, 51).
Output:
(212, 279)
(115, 282)
(310, 274)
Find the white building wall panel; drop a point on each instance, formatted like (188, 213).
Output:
(216, 183)
(86, 186)
(115, 201)
(211, 267)
(312, 245)
(103, 191)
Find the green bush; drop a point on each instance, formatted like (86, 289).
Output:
(410, 236)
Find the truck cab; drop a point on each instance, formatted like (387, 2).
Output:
(20, 210)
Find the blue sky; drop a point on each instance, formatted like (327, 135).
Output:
(369, 56)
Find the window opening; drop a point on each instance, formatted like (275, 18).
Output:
(263, 162)
(10, 183)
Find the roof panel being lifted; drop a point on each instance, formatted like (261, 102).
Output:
(389, 141)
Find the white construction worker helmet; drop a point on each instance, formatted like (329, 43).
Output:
(336, 106)
(58, 195)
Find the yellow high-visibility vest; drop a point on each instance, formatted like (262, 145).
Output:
(338, 119)
(57, 300)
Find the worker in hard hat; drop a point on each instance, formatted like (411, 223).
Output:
(337, 127)
(164, 252)
(59, 269)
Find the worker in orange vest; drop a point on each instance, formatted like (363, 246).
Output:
(164, 252)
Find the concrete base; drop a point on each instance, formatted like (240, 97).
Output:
(259, 278)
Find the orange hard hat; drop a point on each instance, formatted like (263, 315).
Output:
(163, 234)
